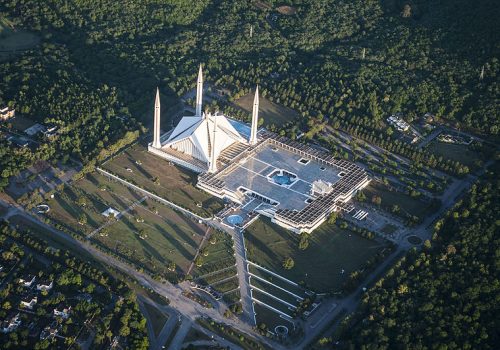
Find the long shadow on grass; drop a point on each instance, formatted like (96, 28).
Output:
(148, 247)
(93, 180)
(134, 194)
(143, 171)
(183, 235)
(177, 245)
(64, 205)
(118, 200)
(259, 245)
(70, 192)
(192, 225)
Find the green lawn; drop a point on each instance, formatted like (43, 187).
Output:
(21, 123)
(406, 203)
(331, 249)
(194, 335)
(99, 194)
(461, 153)
(173, 239)
(220, 255)
(174, 184)
(169, 235)
(269, 318)
(271, 112)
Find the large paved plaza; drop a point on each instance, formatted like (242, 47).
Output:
(262, 173)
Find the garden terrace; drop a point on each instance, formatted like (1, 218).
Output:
(331, 250)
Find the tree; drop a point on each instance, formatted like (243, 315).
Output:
(198, 261)
(81, 201)
(82, 219)
(360, 196)
(332, 218)
(376, 200)
(395, 208)
(304, 241)
(288, 263)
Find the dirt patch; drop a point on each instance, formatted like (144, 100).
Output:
(286, 10)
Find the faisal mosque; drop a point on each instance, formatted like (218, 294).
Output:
(262, 173)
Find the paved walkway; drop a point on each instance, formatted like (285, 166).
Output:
(243, 277)
(111, 221)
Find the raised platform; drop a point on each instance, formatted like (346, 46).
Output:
(279, 173)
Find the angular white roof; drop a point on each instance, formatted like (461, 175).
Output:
(195, 136)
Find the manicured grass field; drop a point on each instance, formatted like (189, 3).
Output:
(270, 318)
(99, 194)
(167, 236)
(21, 123)
(406, 203)
(175, 239)
(330, 250)
(271, 112)
(220, 255)
(174, 184)
(195, 335)
(461, 153)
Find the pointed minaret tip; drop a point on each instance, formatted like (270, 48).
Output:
(200, 74)
(255, 118)
(199, 93)
(156, 126)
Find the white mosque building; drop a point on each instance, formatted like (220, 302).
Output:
(295, 185)
(197, 141)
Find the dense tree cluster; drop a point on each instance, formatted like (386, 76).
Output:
(445, 297)
(345, 63)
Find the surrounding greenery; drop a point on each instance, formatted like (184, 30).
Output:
(330, 262)
(95, 63)
(90, 292)
(445, 296)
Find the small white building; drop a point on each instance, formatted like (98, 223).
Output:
(44, 285)
(6, 113)
(110, 212)
(320, 187)
(11, 323)
(27, 280)
(29, 302)
(62, 311)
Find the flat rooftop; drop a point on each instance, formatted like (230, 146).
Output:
(256, 173)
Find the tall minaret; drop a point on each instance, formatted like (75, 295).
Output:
(156, 128)
(255, 117)
(199, 93)
(213, 159)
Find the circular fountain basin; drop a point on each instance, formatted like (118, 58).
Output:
(234, 219)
